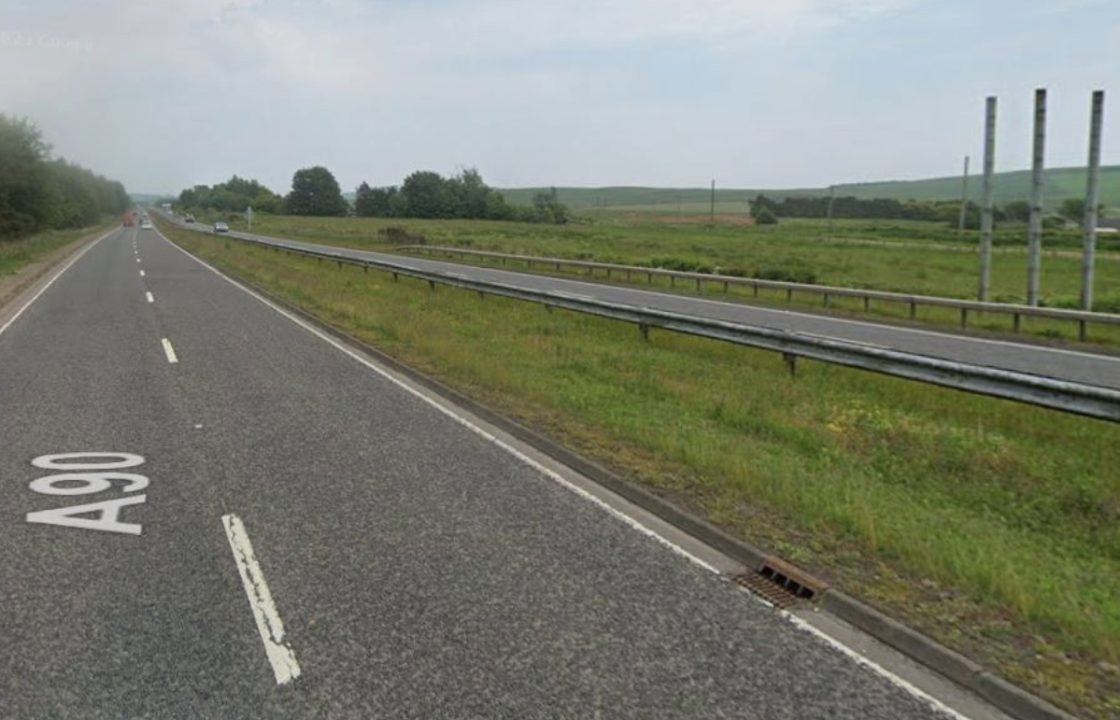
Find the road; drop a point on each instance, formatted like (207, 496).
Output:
(1091, 368)
(283, 530)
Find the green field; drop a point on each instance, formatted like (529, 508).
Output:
(993, 526)
(902, 256)
(1061, 183)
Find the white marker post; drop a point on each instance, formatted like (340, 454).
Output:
(249, 217)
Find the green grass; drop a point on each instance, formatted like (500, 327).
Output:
(900, 256)
(993, 526)
(16, 254)
(1061, 183)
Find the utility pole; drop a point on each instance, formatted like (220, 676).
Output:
(1092, 200)
(964, 200)
(986, 200)
(1034, 227)
(713, 221)
(831, 202)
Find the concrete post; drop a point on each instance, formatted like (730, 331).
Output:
(986, 201)
(964, 200)
(1034, 227)
(831, 200)
(1092, 200)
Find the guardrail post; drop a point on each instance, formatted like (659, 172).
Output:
(866, 303)
(724, 287)
(913, 310)
(697, 284)
(395, 277)
(432, 285)
(1081, 330)
(791, 363)
(964, 317)
(755, 286)
(672, 281)
(826, 300)
(789, 294)
(644, 330)
(649, 278)
(627, 276)
(608, 273)
(1015, 321)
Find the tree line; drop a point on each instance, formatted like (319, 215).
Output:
(423, 194)
(1070, 209)
(38, 192)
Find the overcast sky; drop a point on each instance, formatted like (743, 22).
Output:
(755, 93)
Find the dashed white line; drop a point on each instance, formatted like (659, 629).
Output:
(141, 273)
(169, 351)
(269, 625)
(148, 296)
(137, 259)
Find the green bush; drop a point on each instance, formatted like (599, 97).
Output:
(765, 217)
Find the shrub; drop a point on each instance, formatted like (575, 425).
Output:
(765, 217)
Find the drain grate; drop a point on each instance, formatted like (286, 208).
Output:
(776, 595)
(782, 584)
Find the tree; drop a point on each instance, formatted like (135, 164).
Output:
(25, 195)
(315, 192)
(427, 195)
(38, 193)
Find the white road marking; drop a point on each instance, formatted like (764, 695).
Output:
(169, 351)
(137, 259)
(50, 282)
(560, 480)
(269, 625)
(141, 273)
(149, 297)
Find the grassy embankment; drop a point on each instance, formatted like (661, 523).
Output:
(899, 256)
(994, 527)
(16, 254)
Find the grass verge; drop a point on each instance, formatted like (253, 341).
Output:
(989, 525)
(17, 254)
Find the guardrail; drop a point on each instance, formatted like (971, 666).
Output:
(827, 292)
(1073, 397)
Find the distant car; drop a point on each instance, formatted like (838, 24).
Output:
(221, 227)
(145, 224)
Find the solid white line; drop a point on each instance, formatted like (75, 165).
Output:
(559, 479)
(148, 295)
(169, 351)
(50, 282)
(269, 625)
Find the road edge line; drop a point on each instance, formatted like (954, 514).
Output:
(43, 288)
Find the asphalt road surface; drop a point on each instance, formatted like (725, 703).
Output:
(276, 529)
(1090, 368)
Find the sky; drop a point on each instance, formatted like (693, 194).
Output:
(752, 93)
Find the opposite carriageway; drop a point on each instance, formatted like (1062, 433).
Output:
(1089, 385)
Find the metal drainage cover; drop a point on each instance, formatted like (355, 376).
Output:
(773, 593)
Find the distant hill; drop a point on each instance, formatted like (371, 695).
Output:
(1061, 183)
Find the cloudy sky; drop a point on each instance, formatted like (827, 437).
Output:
(755, 93)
